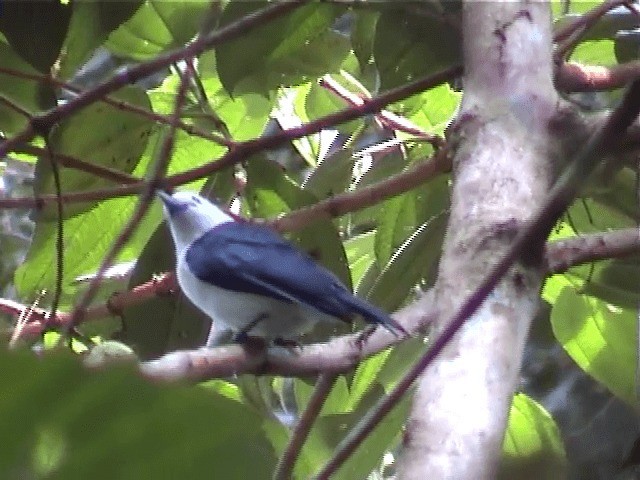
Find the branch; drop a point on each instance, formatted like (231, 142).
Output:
(119, 104)
(156, 174)
(287, 461)
(82, 165)
(338, 355)
(561, 255)
(585, 21)
(574, 77)
(243, 150)
(385, 118)
(361, 198)
(40, 318)
(130, 75)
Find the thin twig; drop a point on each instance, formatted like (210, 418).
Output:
(132, 74)
(41, 318)
(119, 104)
(343, 203)
(159, 169)
(560, 255)
(243, 150)
(385, 118)
(287, 461)
(59, 227)
(82, 165)
(586, 20)
(14, 106)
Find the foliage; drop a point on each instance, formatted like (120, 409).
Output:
(63, 421)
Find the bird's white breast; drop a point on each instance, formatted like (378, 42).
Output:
(236, 310)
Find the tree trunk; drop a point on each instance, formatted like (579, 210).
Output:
(505, 162)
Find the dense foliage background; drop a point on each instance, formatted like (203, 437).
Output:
(576, 413)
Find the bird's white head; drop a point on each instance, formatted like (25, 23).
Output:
(189, 215)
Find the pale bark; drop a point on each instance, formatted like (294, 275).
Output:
(504, 165)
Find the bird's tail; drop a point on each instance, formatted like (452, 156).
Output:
(373, 314)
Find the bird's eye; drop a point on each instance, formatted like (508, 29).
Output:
(196, 200)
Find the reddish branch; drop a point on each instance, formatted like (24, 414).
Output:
(385, 118)
(244, 150)
(560, 255)
(157, 173)
(43, 122)
(39, 319)
(119, 104)
(574, 77)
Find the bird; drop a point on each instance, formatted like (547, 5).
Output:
(253, 281)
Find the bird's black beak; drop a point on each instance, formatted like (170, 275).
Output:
(173, 206)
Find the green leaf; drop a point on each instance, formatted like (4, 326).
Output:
(66, 421)
(601, 338)
(332, 175)
(30, 96)
(289, 50)
(99, 134)
(36, 30)
(165, 323)
(432, 110)
(595, 52)
(270, 192)
(532, 447)
(87, 237)
(320, 102)
(408, 46)
(615, 281)
(616, 193)
(409, 264)
(337, 400)
(245, 116)
(362, 35)
(328, 430)
(381, 169)
(156, 27)
(91, 23)
(360, 254)
(365, 375)
(290, 112)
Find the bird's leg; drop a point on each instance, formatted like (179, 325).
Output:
(242, 335)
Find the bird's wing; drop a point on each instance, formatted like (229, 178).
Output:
(253, 259)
